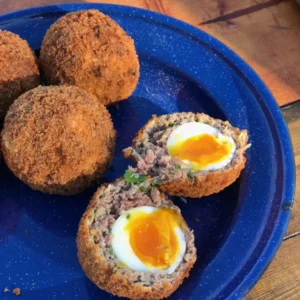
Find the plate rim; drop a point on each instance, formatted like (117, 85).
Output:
(260, 87)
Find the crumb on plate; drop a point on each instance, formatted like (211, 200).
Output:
(17, 291)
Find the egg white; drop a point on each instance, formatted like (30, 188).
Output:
(122, 248)
(191, 129)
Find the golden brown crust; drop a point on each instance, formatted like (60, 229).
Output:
(140, 133)
(89, 257)
(19, 70)
(102, 274)
(90, 50)
(58, 140)
(204, 185)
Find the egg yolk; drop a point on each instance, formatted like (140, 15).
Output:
(152, 237)
(202, 150)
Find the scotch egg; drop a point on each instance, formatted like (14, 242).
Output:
(134, 243)
(149, 239)
(201, 147)
(193, 154)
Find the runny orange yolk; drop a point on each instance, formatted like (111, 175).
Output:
(152, 237)
(202, 150)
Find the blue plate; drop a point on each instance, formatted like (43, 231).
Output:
(182, 69)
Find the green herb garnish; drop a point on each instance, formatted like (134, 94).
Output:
(157, 182)
(111, 251)
(190, 176)
(177, 168)
(149, 191)
(128, 216)
(171, 124)
(146, 190)
(131, 177)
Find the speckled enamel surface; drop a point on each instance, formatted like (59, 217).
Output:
(182, 69)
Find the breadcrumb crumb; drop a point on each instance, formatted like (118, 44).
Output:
(17, 291)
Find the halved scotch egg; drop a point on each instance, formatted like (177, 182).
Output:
(193, 155)
(133, 242)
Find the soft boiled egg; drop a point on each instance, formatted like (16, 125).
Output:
(149, 239)
(200, 146)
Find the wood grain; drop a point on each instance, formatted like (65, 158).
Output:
(282, 279)
(292, 117)
(269, 41)
(266, 33)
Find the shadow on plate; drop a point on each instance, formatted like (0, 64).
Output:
(192, 98)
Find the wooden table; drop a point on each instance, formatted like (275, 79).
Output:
(266, 33)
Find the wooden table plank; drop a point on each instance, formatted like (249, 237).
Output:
(292, 116)
(266, 33)
(269, 40)
(282, 279)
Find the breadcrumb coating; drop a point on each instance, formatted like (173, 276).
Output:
(58, 140)
(88, 49)
(19, 70)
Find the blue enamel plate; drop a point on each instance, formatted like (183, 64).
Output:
(238, 231)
